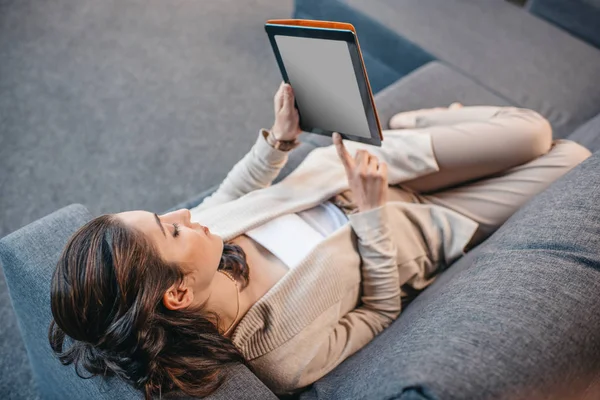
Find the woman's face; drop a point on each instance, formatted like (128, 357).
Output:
(190, 245)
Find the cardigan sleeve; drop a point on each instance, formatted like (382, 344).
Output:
(398, 245)
(255, 171)
(380, 299)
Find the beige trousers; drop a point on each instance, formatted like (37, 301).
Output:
(492, 161)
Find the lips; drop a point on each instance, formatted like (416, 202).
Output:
(206, 230)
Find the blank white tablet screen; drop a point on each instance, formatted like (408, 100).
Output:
(322, 75)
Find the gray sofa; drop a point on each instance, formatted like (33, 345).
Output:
(517, 317)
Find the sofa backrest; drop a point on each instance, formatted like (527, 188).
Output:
(581, 18)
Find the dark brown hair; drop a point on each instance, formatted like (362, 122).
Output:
(106, 297)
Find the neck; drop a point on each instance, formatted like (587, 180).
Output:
(230, 304)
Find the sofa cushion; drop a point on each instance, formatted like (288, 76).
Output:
(29, 257)
(433, 85)
(524, 59)
(517, 318)
(588, 134)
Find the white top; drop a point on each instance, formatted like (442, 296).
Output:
(291, 237)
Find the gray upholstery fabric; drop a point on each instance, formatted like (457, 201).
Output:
(387, 56)
(193, 201)
(516, 319)
(123, 104)
(578, 17)
(523, 58)
(588, 134)
(243, 385)
(433, 85)
(29, 256)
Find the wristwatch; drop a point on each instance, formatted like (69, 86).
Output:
(283, 145)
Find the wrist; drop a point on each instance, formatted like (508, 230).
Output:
(275, 134)
(366, 208)
(282, 145)
(370, 223)
(283, 135)
(364, 204)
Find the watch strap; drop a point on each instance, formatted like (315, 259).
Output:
(283, 145)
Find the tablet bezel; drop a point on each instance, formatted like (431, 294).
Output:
(351, 40)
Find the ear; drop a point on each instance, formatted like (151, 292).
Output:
(178, 296)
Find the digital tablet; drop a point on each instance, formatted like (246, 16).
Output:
(323, 63)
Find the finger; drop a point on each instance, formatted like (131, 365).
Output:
(279, 97)
(383, 170)
(342, 152)
(373, 166)
(373, 158)
(361, 156)
(362, 162)
(288, 101)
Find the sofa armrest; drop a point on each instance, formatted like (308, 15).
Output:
(28, 257)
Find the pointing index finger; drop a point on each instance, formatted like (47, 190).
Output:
(341, 150)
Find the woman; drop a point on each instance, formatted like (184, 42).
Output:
(295, 277)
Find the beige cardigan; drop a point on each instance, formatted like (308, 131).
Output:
(332, 304)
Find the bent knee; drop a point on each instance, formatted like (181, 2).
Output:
(540, 132)
(570, 152)
(535, 131)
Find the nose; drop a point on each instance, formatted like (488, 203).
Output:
(183, 215)
(186, 215)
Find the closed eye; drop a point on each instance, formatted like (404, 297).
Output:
(175, 229)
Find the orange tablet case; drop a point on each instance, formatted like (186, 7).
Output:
(334, 25)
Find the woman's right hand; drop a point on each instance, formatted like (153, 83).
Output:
(366, 175)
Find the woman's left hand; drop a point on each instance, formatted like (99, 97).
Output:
(287, 120)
